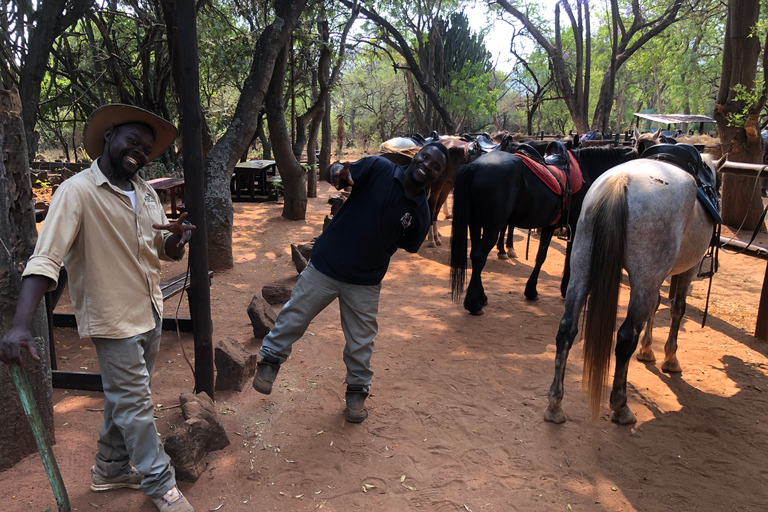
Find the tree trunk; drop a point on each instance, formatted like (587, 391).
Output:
(223, 157)
(51, 19)
(737, 119)
(314, 128)
(291, 171)
(327, 140)
(19, 235)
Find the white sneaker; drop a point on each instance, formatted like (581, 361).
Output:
(172, 501)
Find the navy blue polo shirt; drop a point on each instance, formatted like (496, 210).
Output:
(376, 220)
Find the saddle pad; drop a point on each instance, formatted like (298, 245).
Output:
(554, 177)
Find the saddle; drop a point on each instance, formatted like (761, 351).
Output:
(478, 146)
(687, 157)
(559, 171)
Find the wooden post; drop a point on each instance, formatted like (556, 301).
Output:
(192, 155)
(761, 328)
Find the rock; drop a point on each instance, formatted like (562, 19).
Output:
(262, 316)
(200, 433)
(276, 294)
(186, 448)
(306, 249)
(235, 365)
(298, 259)
(201, 406)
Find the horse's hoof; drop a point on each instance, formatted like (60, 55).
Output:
(479, 312)
(430, 244)
(439, 243)
(555, 414)
(484, 302)
(532, 296)
(624, 416)
(671, 367)
(512, 253)
(646, 357)
(503, 256)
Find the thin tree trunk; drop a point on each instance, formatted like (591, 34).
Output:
(223, 157)
(18, 236)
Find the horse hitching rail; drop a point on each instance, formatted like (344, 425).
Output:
(753, 171)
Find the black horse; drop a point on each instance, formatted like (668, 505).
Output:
(497, 190)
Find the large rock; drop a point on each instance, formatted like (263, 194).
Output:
(200, 433)
(276, 294)
(235, 365)
(262, 316)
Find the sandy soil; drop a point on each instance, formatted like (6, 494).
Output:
(457, 402)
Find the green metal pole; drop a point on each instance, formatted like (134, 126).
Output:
(38, 429)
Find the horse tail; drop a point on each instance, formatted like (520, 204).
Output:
(462, 207)
(609, 216)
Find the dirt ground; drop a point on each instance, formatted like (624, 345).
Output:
(456, 408)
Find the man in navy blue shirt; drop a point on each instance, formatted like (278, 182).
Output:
(386, 210)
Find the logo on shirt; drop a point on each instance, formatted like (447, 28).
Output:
(405, 220)
(148, 198)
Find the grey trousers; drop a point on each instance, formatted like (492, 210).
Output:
(358, 304)
(128, 432)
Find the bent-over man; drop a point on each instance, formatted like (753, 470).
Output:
(386, 210)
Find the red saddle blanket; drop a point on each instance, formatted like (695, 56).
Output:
(554, 177)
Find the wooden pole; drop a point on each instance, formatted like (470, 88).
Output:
(192, 155)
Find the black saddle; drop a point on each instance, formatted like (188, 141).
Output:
(481, 144)
(557, 154)
(418, 139)
(687, 157)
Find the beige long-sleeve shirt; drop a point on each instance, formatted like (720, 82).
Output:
(111, 252)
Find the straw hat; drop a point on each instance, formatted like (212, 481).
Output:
(117, 114)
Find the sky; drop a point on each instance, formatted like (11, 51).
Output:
(497, 40)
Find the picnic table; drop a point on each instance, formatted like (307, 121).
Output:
(249, 180)
(174, 187)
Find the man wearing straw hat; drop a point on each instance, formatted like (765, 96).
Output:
(108, 228)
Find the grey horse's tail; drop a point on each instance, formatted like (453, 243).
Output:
(462, 207)
(609, 215)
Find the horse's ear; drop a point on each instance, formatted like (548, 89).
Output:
(657, 134)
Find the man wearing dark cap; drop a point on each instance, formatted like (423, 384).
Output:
(108, 228)
(386, 210)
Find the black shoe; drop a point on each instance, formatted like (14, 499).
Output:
(266, 372)
(355, 398)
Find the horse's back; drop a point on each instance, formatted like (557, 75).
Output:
(667, 229)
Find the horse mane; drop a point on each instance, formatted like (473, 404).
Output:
(609, 217)
(607, 156)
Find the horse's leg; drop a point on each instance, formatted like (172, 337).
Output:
(475, 297)
(510, 241)
(566, 333)
(500, 247)
(567, 268)
(442, 201)
(541, 256)
(642, 302)
(671, 364)
(645, 353)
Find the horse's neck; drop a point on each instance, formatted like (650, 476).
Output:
(596, 161)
